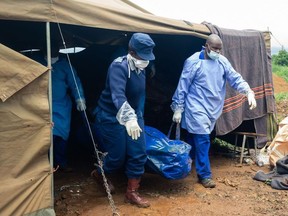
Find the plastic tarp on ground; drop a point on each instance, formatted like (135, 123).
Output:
(278, 148)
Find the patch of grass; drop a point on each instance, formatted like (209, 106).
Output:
(281, 96)
(281, 71)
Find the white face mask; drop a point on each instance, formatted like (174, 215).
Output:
(141, 64)
(213, 55)
(53, 59)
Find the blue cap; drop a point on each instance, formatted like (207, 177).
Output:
(143, 45)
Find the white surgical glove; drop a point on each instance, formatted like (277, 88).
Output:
(133, 129)
(177, 116)
(81, 104)
(251, 100)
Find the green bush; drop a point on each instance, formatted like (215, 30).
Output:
(281, 58)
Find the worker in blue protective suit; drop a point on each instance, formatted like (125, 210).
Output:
(119, 117)
(150, 70)
(63, 88)
(199, 99)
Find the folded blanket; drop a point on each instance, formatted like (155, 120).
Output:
(278, 177)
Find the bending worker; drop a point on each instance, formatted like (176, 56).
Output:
(199, 99)
(119, 117)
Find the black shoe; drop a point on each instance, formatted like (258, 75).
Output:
(65, 169)
(208, 183)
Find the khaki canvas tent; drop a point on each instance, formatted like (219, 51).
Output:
(25, 127)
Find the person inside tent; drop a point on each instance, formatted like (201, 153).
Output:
(199, 98)
(119, 117)
(64, 89)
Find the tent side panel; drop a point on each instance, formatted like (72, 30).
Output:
(25, 173)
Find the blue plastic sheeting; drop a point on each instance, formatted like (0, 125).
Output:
(169, 158)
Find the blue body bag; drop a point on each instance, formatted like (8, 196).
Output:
(169, 158)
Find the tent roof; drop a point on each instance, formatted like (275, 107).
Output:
(109, 14)
(105, 22)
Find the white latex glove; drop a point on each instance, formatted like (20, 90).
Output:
(81, 104)
(133, 129)
(251, 100)
(177, 116)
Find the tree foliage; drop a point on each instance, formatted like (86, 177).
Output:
(281, 58)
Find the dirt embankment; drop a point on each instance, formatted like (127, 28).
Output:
(280, 85)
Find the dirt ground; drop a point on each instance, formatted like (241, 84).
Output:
(236, 193)
(281, 86)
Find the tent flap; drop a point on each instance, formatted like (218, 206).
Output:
(16, 72)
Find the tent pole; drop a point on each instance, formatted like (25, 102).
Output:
(48, 44)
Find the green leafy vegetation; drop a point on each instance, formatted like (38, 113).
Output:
(281, 58)
(222, 147)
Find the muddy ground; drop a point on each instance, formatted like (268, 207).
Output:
(236, 193)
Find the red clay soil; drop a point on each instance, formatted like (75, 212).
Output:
(236, 193)
(280, 85)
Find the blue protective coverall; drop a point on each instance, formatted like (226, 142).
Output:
(63, 87)
(123, 152)
(200, 94)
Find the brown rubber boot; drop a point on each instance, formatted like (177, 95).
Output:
(132, 196)
(100, 181)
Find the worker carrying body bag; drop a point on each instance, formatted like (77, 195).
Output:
(169, 158)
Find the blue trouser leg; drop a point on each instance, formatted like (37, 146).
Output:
(136, 154)
(113, 141)
(59, 151)
(190, 141)
(199, 153)
(123, 152)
